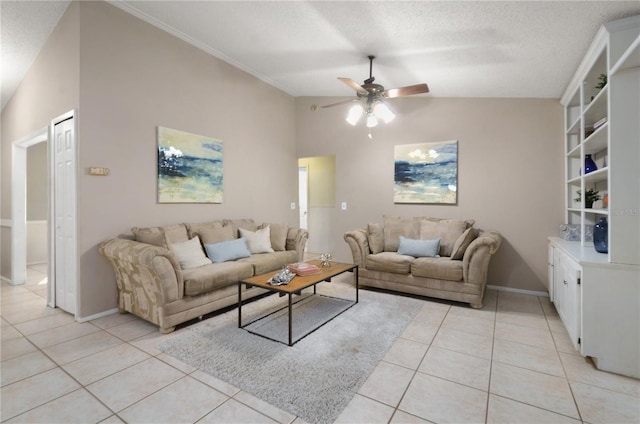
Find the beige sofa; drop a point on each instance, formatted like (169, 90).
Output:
(459, 273)
(162, 277)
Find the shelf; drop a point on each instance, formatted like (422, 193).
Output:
(574, 180)
(574, 128)
(574, 153)
(597, 211)
(597, 175)
(597, 141)
(630, 58)
(597, 109)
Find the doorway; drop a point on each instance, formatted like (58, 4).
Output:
(20, 234)
(61, 222)
(317, 200)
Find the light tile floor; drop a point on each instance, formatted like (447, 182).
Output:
(509, 362)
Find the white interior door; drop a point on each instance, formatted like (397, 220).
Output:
(303, 195)
(65, 265)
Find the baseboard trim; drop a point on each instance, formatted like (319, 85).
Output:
(6, 223)
(96, 316)
(7, 280)
(521, 291)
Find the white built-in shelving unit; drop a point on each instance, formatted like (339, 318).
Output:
(598, 295)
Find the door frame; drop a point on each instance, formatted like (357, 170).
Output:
(19, 202)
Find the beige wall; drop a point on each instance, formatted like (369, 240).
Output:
(135, 77)
(37, 178)
(509, 171)
(49, 89)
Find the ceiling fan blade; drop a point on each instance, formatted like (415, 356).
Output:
(406, 91)
(351, 83)
(340, 103)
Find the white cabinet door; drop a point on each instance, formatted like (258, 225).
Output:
(569, 286)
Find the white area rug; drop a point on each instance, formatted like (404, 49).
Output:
(317, 377)
(309, 313)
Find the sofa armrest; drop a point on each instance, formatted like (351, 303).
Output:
(148, 277)
(359, 244)
(297, 240)
(475, 263)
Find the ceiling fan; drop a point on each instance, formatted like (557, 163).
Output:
(371, 97)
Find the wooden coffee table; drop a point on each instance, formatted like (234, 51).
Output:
(296, 286)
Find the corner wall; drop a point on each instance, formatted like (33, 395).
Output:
(509, 171)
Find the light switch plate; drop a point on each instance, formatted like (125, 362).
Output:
(293, 205)
(344, 206)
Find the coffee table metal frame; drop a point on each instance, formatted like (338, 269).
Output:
(296, 286)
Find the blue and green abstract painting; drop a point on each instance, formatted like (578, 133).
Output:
(426, 173)
(189, 168)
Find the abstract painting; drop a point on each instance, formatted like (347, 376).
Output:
(426, 173)
(189, 168)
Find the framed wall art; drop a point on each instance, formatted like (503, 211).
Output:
(426, 173)
(189, 167)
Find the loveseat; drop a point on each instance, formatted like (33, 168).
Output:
(442, 258)
(164, 276)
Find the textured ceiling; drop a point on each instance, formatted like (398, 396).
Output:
(469, 48)
(24, 28)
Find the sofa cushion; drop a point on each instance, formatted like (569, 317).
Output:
(437, 268)
(267, 262)
(257, 241)
(214, 276)
(375, 236)
(460, 246)
(278, 235)
(396, 226)
(195, 229)
(190, 254)
(419, 248)
(228, 250)
(216, 235)
(247, 224)
(389, 262)
(161, 236)
(448, 230)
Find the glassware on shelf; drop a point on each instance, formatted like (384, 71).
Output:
(589, 164)
(601, 236)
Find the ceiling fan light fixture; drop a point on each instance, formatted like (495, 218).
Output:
(354, 114)
(372, 121)
(382, 111)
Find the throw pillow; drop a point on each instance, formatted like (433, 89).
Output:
(154, 236)
(195, 229)
(247, 224)
(278, 235)
(216, 235)
(448, 230)
(161, 236)
(375, 234)
(419, 248)
(460, 246)
(228, 250)
(395, 226)
(190, 254)
(258, 241)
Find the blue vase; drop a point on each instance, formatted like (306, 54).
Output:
(601, 236)
(589, 164)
